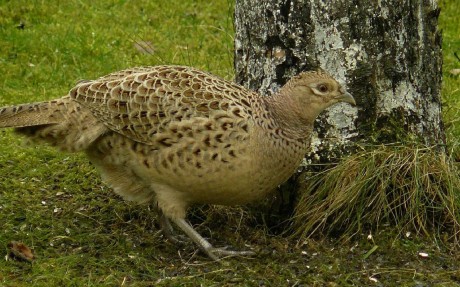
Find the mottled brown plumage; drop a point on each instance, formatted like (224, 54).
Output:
(178, 136)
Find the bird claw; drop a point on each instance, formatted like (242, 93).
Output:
(212, 252)
(176, 239)
(218, 252)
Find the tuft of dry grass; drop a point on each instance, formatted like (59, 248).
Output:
(413, 188)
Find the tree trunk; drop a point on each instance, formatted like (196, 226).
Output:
(387, 53)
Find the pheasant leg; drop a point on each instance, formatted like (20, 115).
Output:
(168, 231)
(212, 252)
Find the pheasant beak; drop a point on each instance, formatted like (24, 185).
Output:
(347, 98)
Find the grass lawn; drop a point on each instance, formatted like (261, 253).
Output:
(84, 235)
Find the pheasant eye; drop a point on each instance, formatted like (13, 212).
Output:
(323, 88)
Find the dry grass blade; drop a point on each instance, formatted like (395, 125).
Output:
(409, 187)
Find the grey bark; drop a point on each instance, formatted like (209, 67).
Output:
(387, 52)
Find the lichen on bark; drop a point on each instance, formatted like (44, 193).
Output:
(387, 53)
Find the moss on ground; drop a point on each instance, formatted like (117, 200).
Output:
(84, 235)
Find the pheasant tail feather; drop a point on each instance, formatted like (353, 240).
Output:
(27, 115)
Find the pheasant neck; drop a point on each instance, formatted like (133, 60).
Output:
(289, 117)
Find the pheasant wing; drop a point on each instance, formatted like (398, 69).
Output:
(142, 103)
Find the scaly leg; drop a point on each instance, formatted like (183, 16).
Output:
(213, 253)
(168, 231)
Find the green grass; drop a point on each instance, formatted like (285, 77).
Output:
(451, 84)
(84, 235)
(65, 41)
(415, 189)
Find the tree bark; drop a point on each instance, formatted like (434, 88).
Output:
(387, 53)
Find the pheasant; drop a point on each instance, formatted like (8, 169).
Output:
(177, 136)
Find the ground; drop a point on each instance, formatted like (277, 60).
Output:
(84, 235)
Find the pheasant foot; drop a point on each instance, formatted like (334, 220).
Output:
(213, 252)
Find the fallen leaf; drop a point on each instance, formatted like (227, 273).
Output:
(373, 279)
(423, 254)
(20, 251)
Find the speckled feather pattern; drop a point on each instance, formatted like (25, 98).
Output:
(179, 136)
(186, 129)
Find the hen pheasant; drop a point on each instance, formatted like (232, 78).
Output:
(178, 136)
